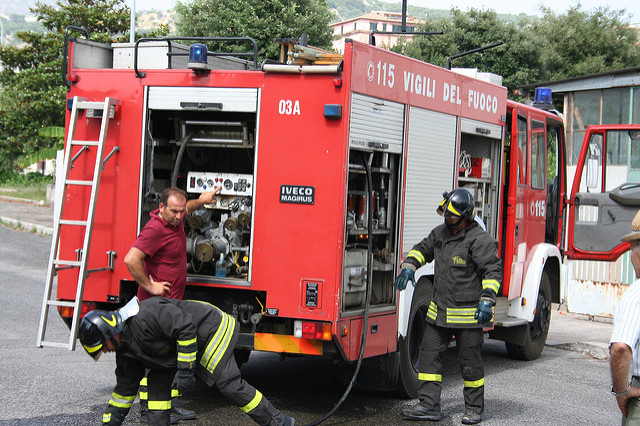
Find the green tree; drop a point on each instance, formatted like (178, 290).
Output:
(33, 95)
(261, 20)
(516, 60)
(580, 43)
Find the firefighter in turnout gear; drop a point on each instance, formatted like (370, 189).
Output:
(466, 281)
(168, 335)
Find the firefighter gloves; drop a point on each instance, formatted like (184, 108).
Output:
(186, 380)
(405, 276)
(484, 312)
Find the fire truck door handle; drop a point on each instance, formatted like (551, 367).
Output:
(201, 106)
(516, 230)
(379, 145)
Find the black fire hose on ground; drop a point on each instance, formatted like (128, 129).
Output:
(365, 323)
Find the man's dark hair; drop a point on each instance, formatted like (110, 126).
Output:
(173, 191)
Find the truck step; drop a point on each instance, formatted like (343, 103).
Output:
(509, 322)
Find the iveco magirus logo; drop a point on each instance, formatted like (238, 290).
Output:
(297, 194)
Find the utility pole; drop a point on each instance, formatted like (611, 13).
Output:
(404, 16)
(132, 23)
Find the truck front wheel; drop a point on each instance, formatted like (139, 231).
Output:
(409, 346)
(536, 331)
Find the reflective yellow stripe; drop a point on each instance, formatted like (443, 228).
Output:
(106, 417)
(461, 311)
(253, 404)
(143, 382)
(453, 210)
(92, 349)
(121, 401)
(474, 383)
(427, 377)
(432, 312)
(175, 393)
(159, 405)
(143, 395)
(187, 352)
(461, 316)
(187, 342)
(187, 357)
(417, 255)
(455, 320)
(491, 285)
(219, 343)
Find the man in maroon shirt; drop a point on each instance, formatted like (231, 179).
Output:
(157, 260)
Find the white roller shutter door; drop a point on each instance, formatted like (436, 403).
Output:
(430, 171)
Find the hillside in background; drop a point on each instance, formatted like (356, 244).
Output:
(346, 9)
(15, 14)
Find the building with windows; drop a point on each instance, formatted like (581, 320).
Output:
(360, 29)
(611, 97)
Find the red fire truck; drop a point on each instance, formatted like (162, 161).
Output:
(330, 168)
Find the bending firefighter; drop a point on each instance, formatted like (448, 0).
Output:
(168, 335)
(466, 280)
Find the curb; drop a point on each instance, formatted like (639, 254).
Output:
(24, 200)
(594, 350)
(27, 226)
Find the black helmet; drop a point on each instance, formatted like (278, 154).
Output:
(461, 204)
(96, 328)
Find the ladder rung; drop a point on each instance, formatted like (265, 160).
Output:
(54, 344)
(90, 105)
(85, 143)
(73, 222)
(79, 182)
(67, 262)
(61, 303)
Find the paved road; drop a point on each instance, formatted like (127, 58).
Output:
(51, 386)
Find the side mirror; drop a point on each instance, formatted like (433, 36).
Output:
(593, 166)
(592, 173)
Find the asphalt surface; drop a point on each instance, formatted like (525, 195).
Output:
(569, 331)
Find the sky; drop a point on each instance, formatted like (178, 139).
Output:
(529, 7)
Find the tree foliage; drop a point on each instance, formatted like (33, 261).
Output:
(580, 43)
(261, 20)
(33, 95)
(554, 47)
(516, 59)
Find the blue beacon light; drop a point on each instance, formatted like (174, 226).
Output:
(542, 98)
(198, 58)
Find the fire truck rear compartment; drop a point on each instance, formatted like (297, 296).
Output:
(196, 148)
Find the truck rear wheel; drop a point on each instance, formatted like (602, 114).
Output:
(537, 330)
(409, 346)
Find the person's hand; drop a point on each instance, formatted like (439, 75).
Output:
(405, 276)
(623, 401)
(207, 197)
(483, 312)
(159, 288)
(186, 380)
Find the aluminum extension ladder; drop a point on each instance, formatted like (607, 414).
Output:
(93, 110)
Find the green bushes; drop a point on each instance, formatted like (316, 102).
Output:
(15, 179)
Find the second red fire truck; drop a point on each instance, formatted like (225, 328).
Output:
(329, 174)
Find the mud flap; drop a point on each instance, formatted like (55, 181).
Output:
(378, 373)
(516, 335)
